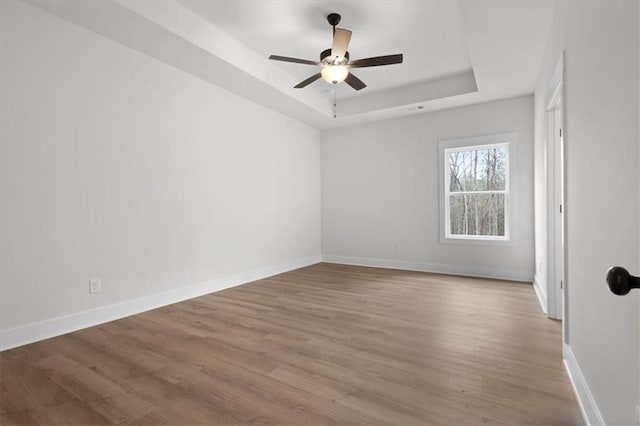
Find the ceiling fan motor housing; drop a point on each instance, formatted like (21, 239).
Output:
(326, 59)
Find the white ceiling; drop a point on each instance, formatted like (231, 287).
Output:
(455, 52)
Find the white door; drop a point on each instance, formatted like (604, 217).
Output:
(556, 302)
(558, 212)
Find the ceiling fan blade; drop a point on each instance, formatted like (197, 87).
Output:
(307, 81)
(341, 39)
(294, 60)
(376, 61)
(354, 82)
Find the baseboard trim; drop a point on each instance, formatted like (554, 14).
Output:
(480, 272)
(542, 296)
(53, 327)
(588, 407)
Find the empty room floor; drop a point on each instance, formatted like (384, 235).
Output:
(318, 345)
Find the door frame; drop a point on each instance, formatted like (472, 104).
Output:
(557, 294)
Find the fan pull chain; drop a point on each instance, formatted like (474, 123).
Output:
(334, 104)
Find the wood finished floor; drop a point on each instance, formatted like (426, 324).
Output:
(326, 344)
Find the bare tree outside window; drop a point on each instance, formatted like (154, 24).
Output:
(477, 190)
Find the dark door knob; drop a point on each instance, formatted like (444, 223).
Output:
(620, 281)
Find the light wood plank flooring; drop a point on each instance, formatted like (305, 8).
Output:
(323, 344)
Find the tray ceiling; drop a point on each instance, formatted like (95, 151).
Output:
(455, 52)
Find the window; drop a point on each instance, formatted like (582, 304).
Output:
(476, 190)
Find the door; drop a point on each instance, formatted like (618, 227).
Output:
(558, 212)
(556, 296)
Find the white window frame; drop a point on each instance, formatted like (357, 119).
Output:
(471, 144)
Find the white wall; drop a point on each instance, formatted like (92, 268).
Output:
(117, 166)
(380, 189)
(602, 201)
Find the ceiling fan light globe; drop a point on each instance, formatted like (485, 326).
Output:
(334, 74)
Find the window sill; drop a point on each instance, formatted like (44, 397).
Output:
(477, 241)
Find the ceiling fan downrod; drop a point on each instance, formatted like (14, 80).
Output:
(334, 20)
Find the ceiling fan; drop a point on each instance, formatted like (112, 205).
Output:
(335, 63)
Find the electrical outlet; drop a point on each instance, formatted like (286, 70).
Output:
(397, 249)
(95, 285)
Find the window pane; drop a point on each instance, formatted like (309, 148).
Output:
(478, 169)
(477, 214)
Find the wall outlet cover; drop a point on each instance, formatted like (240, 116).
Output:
(95, 285)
